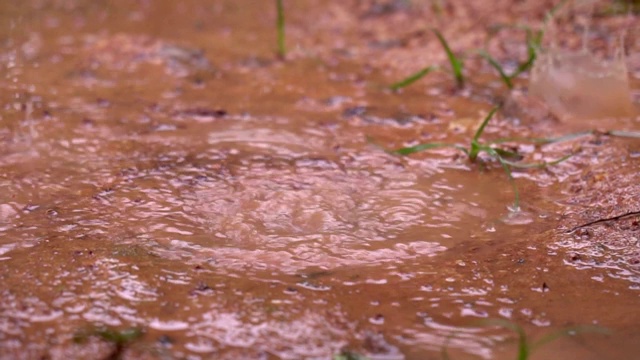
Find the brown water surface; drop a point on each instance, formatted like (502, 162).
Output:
(161, 169)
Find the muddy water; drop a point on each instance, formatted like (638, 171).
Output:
(162, 170)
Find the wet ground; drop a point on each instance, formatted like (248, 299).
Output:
(163, 170)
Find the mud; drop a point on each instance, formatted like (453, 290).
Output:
(163, 170)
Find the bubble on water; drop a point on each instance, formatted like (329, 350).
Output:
(378, 319)
(202, 346)
(169, 325)
(53, 315)
(505, 312)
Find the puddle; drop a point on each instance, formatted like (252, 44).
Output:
(162, 170)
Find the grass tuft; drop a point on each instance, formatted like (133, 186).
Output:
(476, 147)
(533, 43)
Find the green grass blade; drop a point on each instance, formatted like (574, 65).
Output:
(119, 337)
(412, 78)
(626, 134)
(544, 141)
(484, 123)
(537, 165)
(349, 355)
(475, 147)
(568, 332)
(474, 151)
(456, 63)
(567, 137)
(534, 42)
(572, 136)
(533, 46)
(516, 139)
(282, 50)
(507, 154)
(496, 65)
(551, 13)
(426, 146)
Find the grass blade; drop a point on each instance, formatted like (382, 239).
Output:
(346, 354)
(537, 165)
(282, 50)
(572, 136)
(626, 134)
(545, 141)
(475, 147)
(474, 151)
(496, 65)
(564, 138)
(426, 146)
(412, 78)
(484, 123)
(508, 154)
(534, 42)
(456, 63)
(549, 15)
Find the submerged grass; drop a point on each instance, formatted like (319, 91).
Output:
(526, 347)
(119, 338)
(476, 147)
(349, 355)
(115, 336)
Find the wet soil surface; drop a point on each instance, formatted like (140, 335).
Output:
(162, 170)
